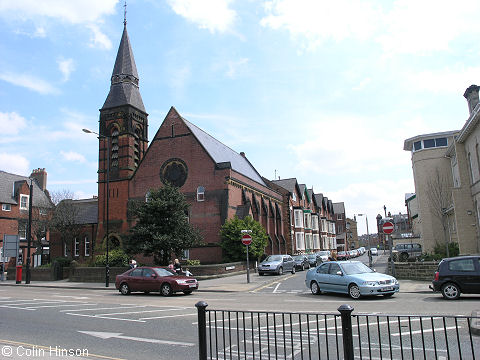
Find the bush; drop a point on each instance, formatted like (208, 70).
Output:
(193, 262)
(62, 261)
(116, 257)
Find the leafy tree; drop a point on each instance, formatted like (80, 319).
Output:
(231, 239)
(162, 227)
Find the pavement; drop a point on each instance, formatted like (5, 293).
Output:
(233, 283)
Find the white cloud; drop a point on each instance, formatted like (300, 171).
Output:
(235, 66)
(14, 163)
(73, 156)
(407, 26)
(318, 21)
(75, 12)
(98, 38)
(66, 66)
(214, 15)
(30, 82)
(11, 123)
(180, 77)
(369, 197)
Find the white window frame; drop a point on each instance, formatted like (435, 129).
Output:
(298, 218)
(200, 193)
(316, 241)
(300, 240)
(315, 222)
(22, 232)
(22, 198)
(294, 197)
(6, 207)
(65, 250)
(86, 243)
(186, 254)
(76, 247)
(339, 217)
(308, 220)
(308, 241)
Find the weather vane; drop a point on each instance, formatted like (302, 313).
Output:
(125, 14)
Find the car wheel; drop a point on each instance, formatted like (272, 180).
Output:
(280, 270)
(354, 291)
(293, 270)
(166, 289)
(388, 295)
(403, 257)
(450, 291)
(187, 292)
(124, 289)
(315, 288)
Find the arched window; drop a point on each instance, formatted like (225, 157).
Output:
(200, 193)
(136, 146)
(114, 150)
(87, 246)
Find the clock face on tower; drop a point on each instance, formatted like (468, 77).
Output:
(174, 171)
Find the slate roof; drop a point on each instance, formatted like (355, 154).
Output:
(287, 184)
(221, 153)
(319, 199)
(87, 211)
(9, 183)
(124, 82)
(339, 208)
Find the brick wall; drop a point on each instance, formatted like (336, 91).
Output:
(424, 270)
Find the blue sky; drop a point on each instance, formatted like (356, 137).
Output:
(324, 91)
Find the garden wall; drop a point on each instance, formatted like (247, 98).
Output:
(419, 270)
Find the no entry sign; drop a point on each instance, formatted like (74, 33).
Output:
(246, 239)
(388, 227)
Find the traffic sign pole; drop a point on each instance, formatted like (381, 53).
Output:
(388, 228)
(248, 269)
(247, 240)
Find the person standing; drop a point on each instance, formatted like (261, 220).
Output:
(177, 266)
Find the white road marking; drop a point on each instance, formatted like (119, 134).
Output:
(108, 308)
(106, 335)
(168, 316)
(57, 305)
(276, 288)
(105, 317)
(73, 297)
(140, 312)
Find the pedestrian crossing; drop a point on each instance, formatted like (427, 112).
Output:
(94, 310)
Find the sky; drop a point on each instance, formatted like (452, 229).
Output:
(323, 91)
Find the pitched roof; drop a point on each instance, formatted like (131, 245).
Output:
(339, 208)
(9, 183)
(221, 153)
(87, 211)
(124, 88)
(288, 184)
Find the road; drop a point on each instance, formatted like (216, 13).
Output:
(148, 326)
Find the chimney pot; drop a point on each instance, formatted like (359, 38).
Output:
(242, 153)
(471, 94)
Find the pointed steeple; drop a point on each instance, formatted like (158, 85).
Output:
(124, 88)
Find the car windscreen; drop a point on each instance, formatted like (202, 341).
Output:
(274, 258)
(356, 268)
(298, 257)
(323, 253)
(312, 256)
(163, 272)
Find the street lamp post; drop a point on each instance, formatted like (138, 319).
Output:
(107, 138)
(368, 241)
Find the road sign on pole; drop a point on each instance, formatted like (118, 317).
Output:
(246, 239)
(388, 227)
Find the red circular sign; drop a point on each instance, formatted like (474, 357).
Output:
(388, 227)
(246, 239)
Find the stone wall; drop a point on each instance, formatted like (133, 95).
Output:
(94, 274)
(38, 274)
(419, 270)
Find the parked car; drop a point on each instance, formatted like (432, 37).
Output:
(314, 260)
(354, 253)
(324, 255)
(374, 251)
(457, 275)
(406, 250)
(301, 262)
(154, 279)
(276, 264)
(343, 255)
(350, 277)
(361, 250)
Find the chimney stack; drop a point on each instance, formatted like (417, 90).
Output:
(40, 175)
(471, 94)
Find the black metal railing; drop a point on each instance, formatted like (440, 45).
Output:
(227, 334)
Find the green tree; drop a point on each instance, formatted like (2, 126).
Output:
(162, 226)
(231, 239)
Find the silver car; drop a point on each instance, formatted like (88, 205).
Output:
(276, 264)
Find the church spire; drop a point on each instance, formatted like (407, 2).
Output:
(124, 88)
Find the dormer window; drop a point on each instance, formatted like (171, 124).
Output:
(200, 193)
(24, 202)
(294, 197)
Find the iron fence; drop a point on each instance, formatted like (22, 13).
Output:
(227, 334)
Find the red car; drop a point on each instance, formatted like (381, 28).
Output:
(154, 279)
(343, 255)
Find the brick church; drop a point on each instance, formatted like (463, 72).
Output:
(218, 182)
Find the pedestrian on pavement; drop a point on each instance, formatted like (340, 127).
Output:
(133, 264)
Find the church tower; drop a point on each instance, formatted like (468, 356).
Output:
(124, 125)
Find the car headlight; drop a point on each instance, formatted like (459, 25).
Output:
(181, 282)
(395, 281)
(370, 283)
